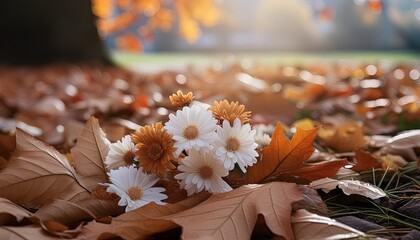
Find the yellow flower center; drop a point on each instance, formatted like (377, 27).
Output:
(232, 144)
(155, 151)
(191, 132)
(129, 157)
(134, 193)
(206, 172)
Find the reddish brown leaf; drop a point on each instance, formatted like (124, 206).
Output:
(282, 155)
(365, 161)
(319, 170)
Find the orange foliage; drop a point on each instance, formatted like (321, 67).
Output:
(282, 155)
(190, 14)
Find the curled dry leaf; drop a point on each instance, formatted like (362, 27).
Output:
(309, 226)
(72, 214)
(349, 187)
(60, 230)
(282, 155)
(89, 153)
(11, 213)
(37, 173)
(404, 144)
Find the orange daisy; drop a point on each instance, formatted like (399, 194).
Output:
(224, 110)
(155, 148)
(180, 100)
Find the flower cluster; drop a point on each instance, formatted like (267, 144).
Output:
(202, 143)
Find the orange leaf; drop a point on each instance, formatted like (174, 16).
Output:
(365, 161)
(282, 155)
(316, 171)
(129, 42)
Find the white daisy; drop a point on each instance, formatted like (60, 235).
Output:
(121, 153)
(262, 138)
(235, 145)
(191, 128)
(134, 187)
(202, 171)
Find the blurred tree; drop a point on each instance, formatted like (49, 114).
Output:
(46, 31)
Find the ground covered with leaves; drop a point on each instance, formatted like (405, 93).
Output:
(243, 150)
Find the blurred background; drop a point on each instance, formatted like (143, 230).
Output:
(259, 25)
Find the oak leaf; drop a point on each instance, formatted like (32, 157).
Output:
(282, 155)
(232, 215)
(89, 153)
(309, 226)
(37, 173)
(365, 161)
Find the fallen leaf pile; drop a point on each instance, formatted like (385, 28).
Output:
(348, 129)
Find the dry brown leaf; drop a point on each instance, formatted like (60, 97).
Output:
(366, 161)
(309, 226)
(311, 201)
(282, 155)
(142, 222)
(60, 230)
(30, 232)
(37, 173)
(232, 215)
(10, 213)
(63, 212)
(344, 138)
(89, 153)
